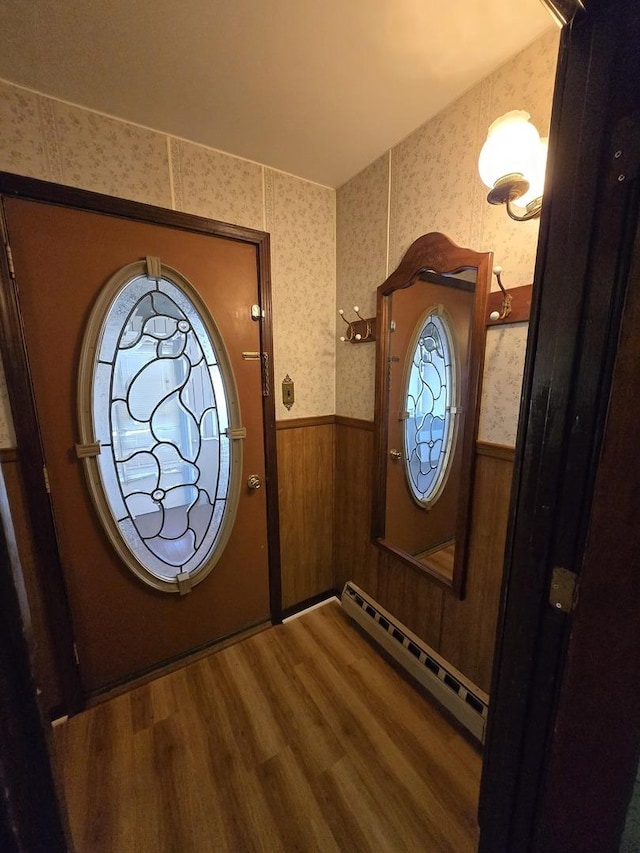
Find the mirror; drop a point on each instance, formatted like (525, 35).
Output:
(430, 353)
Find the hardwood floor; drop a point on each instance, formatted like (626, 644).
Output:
(300, 738)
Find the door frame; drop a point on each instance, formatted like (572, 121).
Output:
(584, 272)
(14, 356)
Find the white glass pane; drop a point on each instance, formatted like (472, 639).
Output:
(118, 315)
(128, 436)
(184, 303)
(111, 484)
(101, 402)
(210, 537)
(220, 397)
(144, 555)
(225, 467)
(175, 552)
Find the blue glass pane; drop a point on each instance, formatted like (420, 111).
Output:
(428, 401)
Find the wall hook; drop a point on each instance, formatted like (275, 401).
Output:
(360, 331)
(506, 298)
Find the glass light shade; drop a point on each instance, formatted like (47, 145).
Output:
(536, 178)
(512, 147)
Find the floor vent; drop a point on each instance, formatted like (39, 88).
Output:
(463, 699)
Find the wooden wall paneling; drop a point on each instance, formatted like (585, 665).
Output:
(469, 626)
(412, 597)
(14, 512)
(306, 461)
(356, 556)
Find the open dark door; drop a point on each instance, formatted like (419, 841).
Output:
(564, 726)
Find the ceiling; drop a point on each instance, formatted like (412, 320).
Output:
(317, 88)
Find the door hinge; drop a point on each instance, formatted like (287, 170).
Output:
(12, 269)
(563, 592)
(76, 656)
(47, 484)
(257, 313)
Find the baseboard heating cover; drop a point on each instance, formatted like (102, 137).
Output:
(459, 696)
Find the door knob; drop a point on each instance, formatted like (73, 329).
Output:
(254, 482)
(395, 455)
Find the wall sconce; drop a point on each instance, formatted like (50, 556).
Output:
(512, 164)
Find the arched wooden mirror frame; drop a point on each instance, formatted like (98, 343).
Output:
(433, 254)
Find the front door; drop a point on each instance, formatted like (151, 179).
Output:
(63, 258)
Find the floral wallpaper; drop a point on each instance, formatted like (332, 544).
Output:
(434, 186)
(301, 220)
(502, 383)
(361, 248)
(209, 183)
(433, 178)
(22, 141)
(110, 156)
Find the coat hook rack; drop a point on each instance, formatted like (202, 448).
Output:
(506, 298)
(360, 331)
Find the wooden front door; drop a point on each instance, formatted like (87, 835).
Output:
(62, 258)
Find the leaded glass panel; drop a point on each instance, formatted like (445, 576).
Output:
(160, 409)
(428, 408)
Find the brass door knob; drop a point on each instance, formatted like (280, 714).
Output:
(395, 454)
(254, 482)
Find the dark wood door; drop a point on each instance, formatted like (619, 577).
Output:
(564, 723)
(63, 257)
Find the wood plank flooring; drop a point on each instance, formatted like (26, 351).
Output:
(300, 738)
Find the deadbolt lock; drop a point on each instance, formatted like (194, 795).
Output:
(254, 482)
(395, 455)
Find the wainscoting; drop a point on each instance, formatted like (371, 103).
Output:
(463, 632)
(325, 468)
(306, 494)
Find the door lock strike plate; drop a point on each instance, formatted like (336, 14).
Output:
(563, 590)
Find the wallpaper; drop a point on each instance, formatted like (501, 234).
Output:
(301, 220)
(433, 178)
(109, 156)
(361, 248)
(209, 183)
(434, 186)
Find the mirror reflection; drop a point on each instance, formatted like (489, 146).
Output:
(429, 360)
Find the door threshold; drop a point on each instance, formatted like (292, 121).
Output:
(99, 696)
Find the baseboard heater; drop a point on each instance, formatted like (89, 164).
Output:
(467, 703)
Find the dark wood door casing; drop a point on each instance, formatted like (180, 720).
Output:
(27, 430)
(588, 226)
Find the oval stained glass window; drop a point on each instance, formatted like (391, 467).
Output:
(429, 401)
(159, 400)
